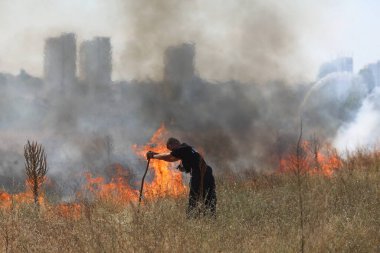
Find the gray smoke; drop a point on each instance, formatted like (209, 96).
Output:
(257, 40)
(87, 124)
(241, 40)
(220, 79)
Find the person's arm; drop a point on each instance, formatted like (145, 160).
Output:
(165, 157)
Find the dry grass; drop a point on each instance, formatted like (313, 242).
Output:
(259, 214)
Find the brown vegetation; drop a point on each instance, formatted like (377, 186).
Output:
(35, 167)
(255, 214)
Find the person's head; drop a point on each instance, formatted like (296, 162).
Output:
(172, 143)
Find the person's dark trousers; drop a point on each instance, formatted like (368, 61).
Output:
(209, 196)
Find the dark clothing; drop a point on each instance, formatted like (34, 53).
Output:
(192, 162)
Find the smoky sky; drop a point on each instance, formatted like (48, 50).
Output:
(228, 77)
(250, 40)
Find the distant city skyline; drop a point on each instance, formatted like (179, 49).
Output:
(67, 61)
(245, 39)
(91, 61)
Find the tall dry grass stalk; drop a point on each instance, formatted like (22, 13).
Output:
(315, 146)
(35, 167)
(300, 173)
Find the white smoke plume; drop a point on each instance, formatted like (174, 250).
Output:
(363, 131)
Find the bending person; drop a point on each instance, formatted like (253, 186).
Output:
(202, 196)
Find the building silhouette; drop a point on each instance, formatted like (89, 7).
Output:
(179, 63)
(371, 75)
(60, 62)
(341, 64)
(95, 61)
(179, 69)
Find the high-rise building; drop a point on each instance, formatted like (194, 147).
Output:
(371, 75)
(60, 61)
(178, 70)
(95, 61)
(341, 64)
(179, 63)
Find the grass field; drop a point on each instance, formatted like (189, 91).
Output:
(256, 213)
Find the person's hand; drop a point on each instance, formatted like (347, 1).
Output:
(181, 168)
(150, 154)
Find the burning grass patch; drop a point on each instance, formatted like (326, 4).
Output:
(257, 214)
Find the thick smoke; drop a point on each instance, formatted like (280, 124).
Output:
(332, 101)
(257, 40)
(362, 132)
(220, 81)
(241, 40)
(88, 125)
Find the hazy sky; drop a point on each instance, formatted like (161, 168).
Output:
(236, 39)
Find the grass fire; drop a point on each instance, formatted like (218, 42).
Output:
(259, 211)
(189, 126)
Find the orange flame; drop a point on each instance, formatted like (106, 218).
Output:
(118, 190)
(167, 181)
(324, 162)
(8, 200)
